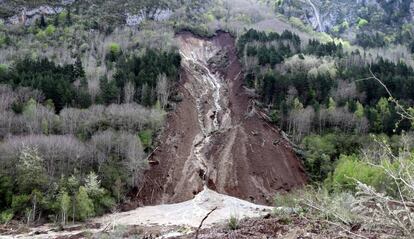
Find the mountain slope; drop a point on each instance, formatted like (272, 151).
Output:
(215, 137)
(380, 21)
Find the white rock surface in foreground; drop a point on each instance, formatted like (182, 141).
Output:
(189, 213)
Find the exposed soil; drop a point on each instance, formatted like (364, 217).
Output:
(215, 137)
(291, 227)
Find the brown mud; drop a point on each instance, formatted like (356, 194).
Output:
(215, 137)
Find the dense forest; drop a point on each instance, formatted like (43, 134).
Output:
(324, 96)
(69, 151)
(350, 115)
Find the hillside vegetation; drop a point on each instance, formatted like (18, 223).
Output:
(84, 96)
(86, 88)
(341, 108)
(367, 23)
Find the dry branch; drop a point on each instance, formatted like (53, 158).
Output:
(202, 221)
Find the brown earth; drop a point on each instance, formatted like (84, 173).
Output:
(215, 137)
(291, 227)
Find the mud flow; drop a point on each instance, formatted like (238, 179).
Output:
(214, 138)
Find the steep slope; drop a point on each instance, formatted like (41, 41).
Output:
(391, 20)
(215, 137)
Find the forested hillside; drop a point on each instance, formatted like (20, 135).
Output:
(349, 114)
(367, 23)
(324, 96)
(111, 105)
(80, 107)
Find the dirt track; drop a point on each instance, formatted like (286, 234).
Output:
(214, 137)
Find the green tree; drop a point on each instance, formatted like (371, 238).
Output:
(6, 216)
(79, 72)
(362, 22)
(64, 205)
(73, 186)
(93, 186)
(331, 104)
(297, 105)
(6, 191)
(359, 112)
(109, 91)
(29, 109)
(350, 169)
(20, 203)
(383, 114)
(146, 138)
(320, 151)
(30, 171)
(50, 30)
(84, 205)
(114, 51)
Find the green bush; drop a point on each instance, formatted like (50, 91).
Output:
(362, 22)
(50, 30)
(3, 68)
(297, 23)
(350, 170)
(345, 25)
(114, 50)
(322, 152)
(6, 216)
(41, 35)
(20, 202)
(146, 138)
(233, 223)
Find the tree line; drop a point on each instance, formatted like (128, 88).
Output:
(68, 156)
(319, 89)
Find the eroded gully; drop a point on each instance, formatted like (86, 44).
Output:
(206, 89)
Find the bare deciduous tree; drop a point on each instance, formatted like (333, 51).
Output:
(129, 92)
(7, 97)
(61, 153)
(163, 90)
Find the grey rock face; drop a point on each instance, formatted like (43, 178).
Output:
(28, 16)
(134, 20)
(412, 11)
(324, 15)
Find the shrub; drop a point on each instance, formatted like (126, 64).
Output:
(233, 223)
(50, 30)
(297, 23)
(362, 22)
(350, 169)
(114, 50)
(3, 68)
(146, 138)
(6, 216)
(345, 24)
(41, 35)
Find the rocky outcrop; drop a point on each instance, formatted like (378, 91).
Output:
(325, 15)
(136, 19)
(412, 11)
(28, 16)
